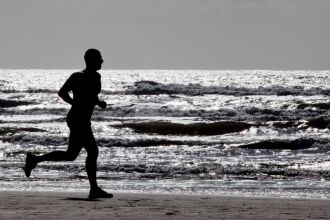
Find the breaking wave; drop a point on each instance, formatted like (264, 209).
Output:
(322, 145)
(13, 130)
(168, 128)
(46, 140)
(212, 170)
(28, 91)
(12, 103)
(317, 122)
(155, 88)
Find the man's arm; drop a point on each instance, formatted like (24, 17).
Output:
(64, 91)
(102, 104)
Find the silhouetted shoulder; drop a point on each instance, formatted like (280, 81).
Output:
(73, 77)
(69, 83)
(76, 74)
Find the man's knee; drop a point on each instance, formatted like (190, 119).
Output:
(93, 153)
(71, 156)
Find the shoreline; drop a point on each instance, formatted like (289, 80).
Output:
(83, 193)
(74, 205)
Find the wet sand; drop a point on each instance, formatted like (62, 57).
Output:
(51, 205)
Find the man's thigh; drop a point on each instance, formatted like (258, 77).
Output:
(76, 141)
(82, 137)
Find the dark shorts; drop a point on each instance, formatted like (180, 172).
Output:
(81, 135)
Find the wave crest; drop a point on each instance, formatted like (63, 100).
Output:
(12, 103)
(169, 128)
(297, 144)
(154, 88)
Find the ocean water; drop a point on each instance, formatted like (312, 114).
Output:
(228, 132)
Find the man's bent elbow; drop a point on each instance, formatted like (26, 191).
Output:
(61, 94)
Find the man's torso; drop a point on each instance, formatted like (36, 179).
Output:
(85, 88)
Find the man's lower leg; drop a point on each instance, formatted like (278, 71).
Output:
(54, 156)
(32, 160)
(91, 166)
(96, 191)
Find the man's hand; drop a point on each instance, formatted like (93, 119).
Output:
(102, 104)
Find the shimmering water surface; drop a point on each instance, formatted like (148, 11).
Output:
(254, 133)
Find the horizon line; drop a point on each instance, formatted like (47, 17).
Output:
(169, 69)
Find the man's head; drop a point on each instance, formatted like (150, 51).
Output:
(93, 59)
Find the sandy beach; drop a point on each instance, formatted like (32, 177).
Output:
(51, 205)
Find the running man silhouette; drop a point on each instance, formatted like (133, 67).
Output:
(85, 86)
